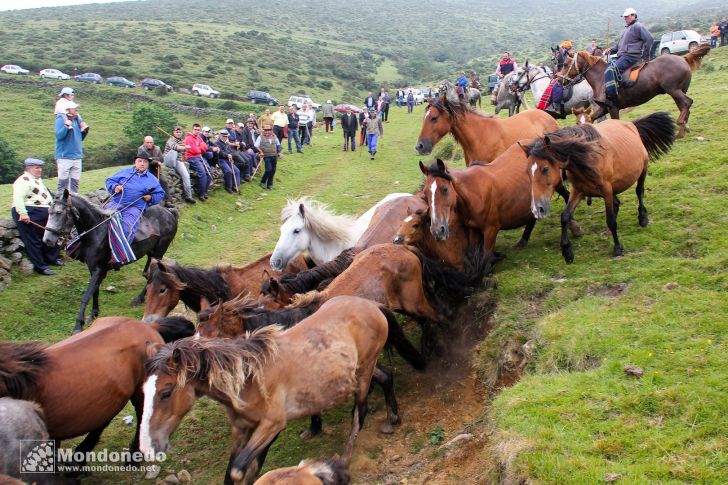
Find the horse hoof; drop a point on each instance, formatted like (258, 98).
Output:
(568, 254)
(644, 220)
(236, 474)
(618, 251)
(76, 330)
(519, 245)
(386, 428)
(575, 228)
(307, 435)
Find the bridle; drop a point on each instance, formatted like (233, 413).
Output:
(529, 81)
(567, 81)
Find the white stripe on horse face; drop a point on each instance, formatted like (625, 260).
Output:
(433, 189)
(582, 119)
(427, 113)
(533, 169)
(145, 439)
(408, 219)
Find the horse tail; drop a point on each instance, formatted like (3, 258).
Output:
(657, 132)
(21, 366)
(397, 339)
(173, 328)
(695, 58)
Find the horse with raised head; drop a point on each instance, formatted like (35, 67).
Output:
(170, 283)
(271, 377)
(601, 160)
(309, 226)
(156, 232)
(488, 197)
(668, 74)
(111, 353)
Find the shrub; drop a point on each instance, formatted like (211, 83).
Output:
(161, 90)
(145, 120)
(9, 163)
(228, 105)
(201, 103)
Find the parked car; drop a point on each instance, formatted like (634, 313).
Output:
(120, 81)
(262, 97)
(204, 90)
(89, 77)
(13, 69)
(493, 81)
(298, 100)
(418, 94)
(53, 74)
(150, 84)
(680, 42)
(341, 108)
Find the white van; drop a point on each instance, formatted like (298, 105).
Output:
(298, 100)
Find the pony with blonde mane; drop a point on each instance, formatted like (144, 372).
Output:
(310, 226)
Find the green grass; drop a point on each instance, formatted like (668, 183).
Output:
(575, 415)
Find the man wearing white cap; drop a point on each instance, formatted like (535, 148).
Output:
(634, 44)
(69, 149)
(31, 201)
(328, 111)
(66, 96)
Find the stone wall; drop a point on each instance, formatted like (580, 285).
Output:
(12, 249)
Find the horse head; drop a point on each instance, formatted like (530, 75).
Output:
(441, 197)
(210, 321)
(163, 291)
(544, 173)
(61, 218)
(435, 125)
(294, 239)
(583, 115)
(410, 231)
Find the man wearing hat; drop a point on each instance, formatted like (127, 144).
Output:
(69, 149)
(349, 125)
(328, 112)
(225, 161)
(634, 43)
(31, 201)
(149, 151)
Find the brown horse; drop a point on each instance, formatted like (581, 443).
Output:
(387, 219)
(488, 198)
(271, 377)
(583, 115)
(482, 137)
(168, 283)
(111, 355)
(309, 472)
(601, 161)
(667, 74)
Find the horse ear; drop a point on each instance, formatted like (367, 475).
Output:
(526, 65)
(265, 275)
(301, 210)
(66, 193)
(523, 147)
(204, 303)
(152, 348)
(162, 267)
(588, 110)
(547, 141)
(275, 287)
(441, 165)
(424, 169)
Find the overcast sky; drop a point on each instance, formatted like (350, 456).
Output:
(21, 4)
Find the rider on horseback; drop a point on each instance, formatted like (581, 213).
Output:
(632, 46)
(505, 66)
(461, 84)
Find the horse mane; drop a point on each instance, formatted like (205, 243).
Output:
(21, 366)
(577, 146)
(324, 223)
(225, 364)
(455, 110)
(99, 210)
(331, 472)
(254, 316)
(311, 278)
(174, 328)
(194, 282)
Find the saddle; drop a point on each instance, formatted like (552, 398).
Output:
(629, 77)
(145, 230)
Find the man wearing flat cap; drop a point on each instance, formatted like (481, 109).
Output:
(31, 201)
(149, 151)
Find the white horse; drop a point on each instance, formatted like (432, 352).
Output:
(537, 79)
(309, 226)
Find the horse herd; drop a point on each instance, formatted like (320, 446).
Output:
(299, 331)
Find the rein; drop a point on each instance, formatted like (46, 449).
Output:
(108, 218)
(567, 81)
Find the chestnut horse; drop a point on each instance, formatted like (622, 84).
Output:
(667, 74)
(583, 115)
(387, 219)
(84, 381)
(309, 472)
(168, 283)
(482, 137)
(602, 161)
(271, 377)
(488, 198)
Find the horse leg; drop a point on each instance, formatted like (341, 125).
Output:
(240, 436)
(566, 215)
(683, 103)
(314, 429)
(642, 210)
(361, 408)
(139, 299)
(137, 400)
(384, 378)
(611, 205)
(246, 464)
(95, 309)
(526, 235)
(574, 226)
(91, 290)
(88, 444)
(489, 236)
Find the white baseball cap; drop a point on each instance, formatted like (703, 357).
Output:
(66, 90)
(328, 101)
(71, 105)
(230, 120)
(629, 11)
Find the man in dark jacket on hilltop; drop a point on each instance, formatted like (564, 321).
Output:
(350, 125)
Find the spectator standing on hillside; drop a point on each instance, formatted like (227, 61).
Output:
(270, 147)
(230, 173)
(714, 33)
(69, 149)
(265, 118)
(310, 115)
(374, 130)
(400, 97)
(349, 125)
(31, 202)
(148, 150)
(293, 130)
(174, 158)
(195, 148)
(385, 108)
(280, 122)
(370, 102)
(723, 26)
(410, 101)
(328, 112)
(363, 114)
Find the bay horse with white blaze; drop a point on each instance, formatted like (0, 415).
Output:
(601, 160)
(668, 74)
(270, 377)
(156, 232)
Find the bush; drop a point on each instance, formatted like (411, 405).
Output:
(228, 105)
(201, 103)
(145, 120)
(161, 90)
(9, 163)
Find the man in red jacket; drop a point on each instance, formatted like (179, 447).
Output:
(193, 155)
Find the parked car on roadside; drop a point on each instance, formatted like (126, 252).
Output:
(204, 90)
(341, 108)
(150, 84)
(261, 97)
(13, 69)
(680, 42)
(493, 81)
(53, 74)
(298, 100)
(89, 77)
(120, 81)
